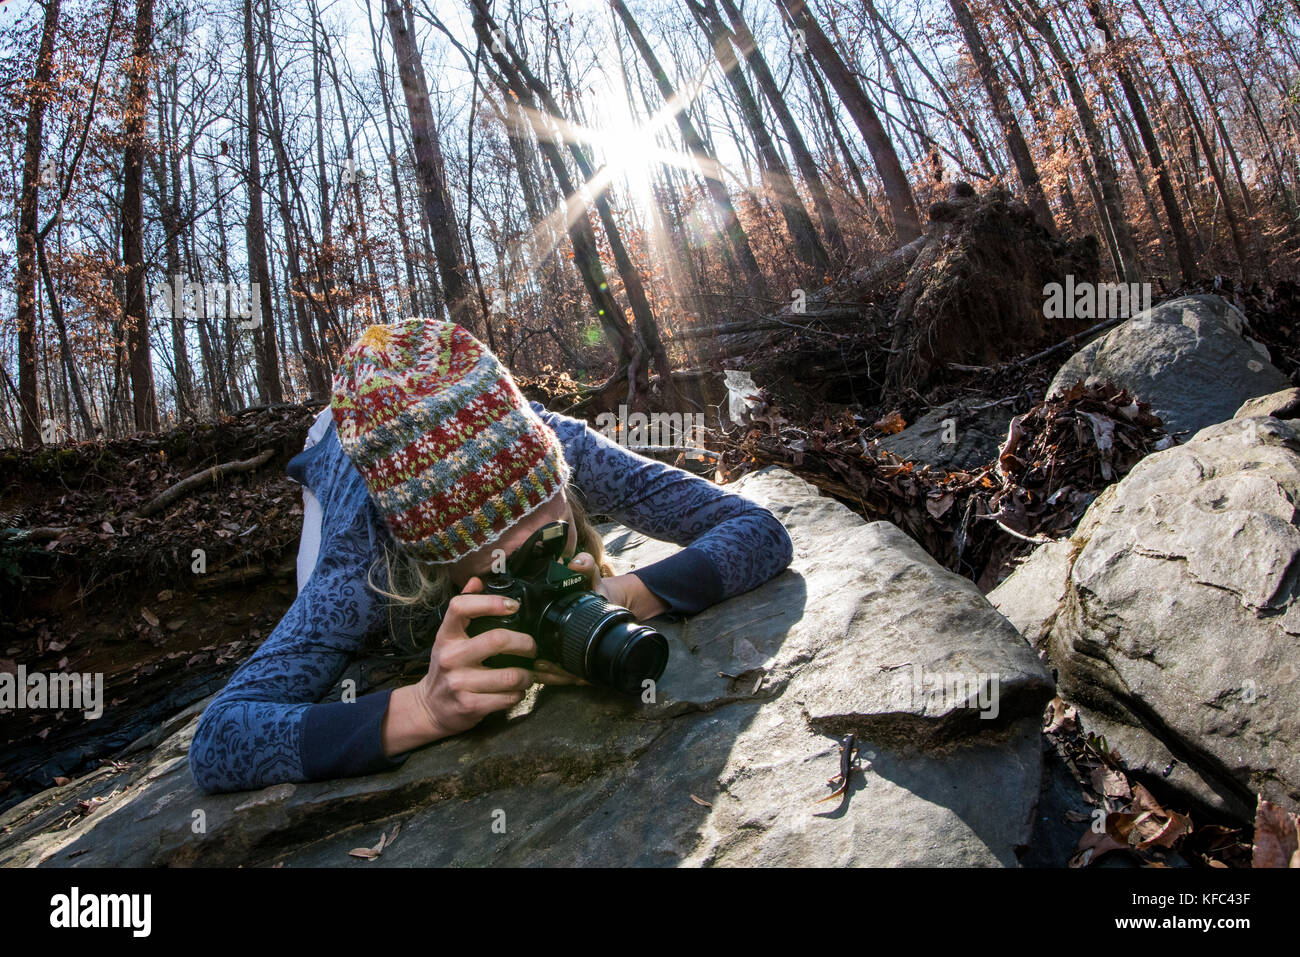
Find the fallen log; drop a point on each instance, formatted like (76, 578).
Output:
(839, 306)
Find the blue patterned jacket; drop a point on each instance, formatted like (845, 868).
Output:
(268, 725)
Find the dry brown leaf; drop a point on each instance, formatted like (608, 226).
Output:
(890, 424)
(1061, 717)
(1093, 845)
(1174, 829)
(1144, 800)
(370, 853)
(387, 841)
(61, 781)
(149, 616)
(1110, 783)
(1277, 836)
(700, 801)
(938, 507)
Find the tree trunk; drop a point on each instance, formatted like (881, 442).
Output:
(268, 363)
(28, 212)
(803, 158)
(1016, 144)
(1182, 245)
(134, 308)
(907, 221)
(705, 159)
(430, 172)
(807, 245)
(1126, 265)
(585, 249)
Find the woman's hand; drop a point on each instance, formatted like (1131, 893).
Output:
(626, 590)
(459, 691)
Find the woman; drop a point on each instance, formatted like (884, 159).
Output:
(432, 466)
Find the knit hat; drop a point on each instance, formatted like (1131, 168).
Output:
(451, 453)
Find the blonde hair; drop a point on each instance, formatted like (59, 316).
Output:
(417, 589)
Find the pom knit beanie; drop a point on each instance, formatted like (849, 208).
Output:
(451, 453)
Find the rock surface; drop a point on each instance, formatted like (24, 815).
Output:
(1280, 405)
(1171, 615)
(864, 634)
(952, 437)
(1187, 357)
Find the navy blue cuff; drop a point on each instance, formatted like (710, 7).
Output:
(341, 739)
(688, 581)
(300, 463)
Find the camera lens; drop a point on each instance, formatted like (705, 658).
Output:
(627, 654)
(604, 644)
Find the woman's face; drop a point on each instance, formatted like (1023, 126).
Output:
(480, 562)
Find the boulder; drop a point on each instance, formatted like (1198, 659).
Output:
(1186, 357)
(863, 634)
(1280, 405)
(1171, 616)
(952, 436)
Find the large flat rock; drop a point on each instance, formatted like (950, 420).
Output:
(864, 633)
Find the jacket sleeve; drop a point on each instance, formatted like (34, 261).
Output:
(730, 543)
(264, 727)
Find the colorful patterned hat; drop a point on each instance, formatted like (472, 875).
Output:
(451, 453)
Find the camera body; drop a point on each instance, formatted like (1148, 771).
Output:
(573, 626)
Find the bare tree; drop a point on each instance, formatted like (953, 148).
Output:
(28, 211)
(907, 221)
(430, 171)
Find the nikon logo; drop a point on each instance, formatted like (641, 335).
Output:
(1087, 300)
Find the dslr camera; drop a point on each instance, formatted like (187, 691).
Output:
(572, 625)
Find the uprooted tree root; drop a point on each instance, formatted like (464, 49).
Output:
(977, 288)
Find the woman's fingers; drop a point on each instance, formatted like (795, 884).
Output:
(486, 681)
(497, 641)
(549, 673)
(465, 607)
(585, 564)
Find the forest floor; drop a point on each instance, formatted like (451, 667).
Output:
(97, 588)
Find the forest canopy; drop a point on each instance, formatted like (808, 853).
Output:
(210, 200)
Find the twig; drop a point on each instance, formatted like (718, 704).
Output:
(1040, 540)
(187, 485)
